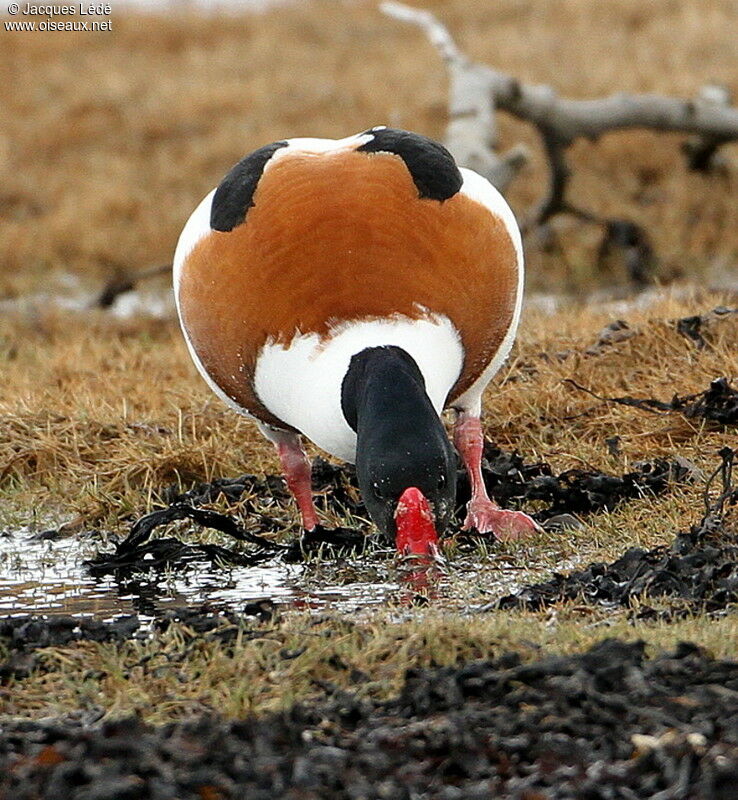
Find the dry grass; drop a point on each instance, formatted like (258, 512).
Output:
(108, 140)
(181, 673)
(543, 414)
(98, 414)
(101, 412)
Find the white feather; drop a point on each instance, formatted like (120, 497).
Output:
(301, 383)
(195, 229)
(480, 189)
(315, 147)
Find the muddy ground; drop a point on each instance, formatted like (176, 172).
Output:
(608, 723)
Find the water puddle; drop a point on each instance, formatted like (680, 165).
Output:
(155, 299)
(624, 300)
(155, 302)
(49, 577)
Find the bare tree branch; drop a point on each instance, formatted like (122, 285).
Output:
(125, 282)
(701, 150)
(471, 135)
(554, 201)
(435, 30)
(572, 119)
(477, 91)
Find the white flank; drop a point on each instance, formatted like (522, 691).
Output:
(301, 384)
(480, 189)
(197, 227)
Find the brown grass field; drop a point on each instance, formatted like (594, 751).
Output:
(109, 140)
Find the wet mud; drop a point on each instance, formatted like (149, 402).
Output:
(606, 724)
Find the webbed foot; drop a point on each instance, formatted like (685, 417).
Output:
(507, 526)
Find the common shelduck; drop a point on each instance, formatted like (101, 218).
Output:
(349, 290)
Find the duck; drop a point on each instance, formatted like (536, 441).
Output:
(349, 291)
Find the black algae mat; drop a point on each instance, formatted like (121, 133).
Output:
(138, 552)
(21, 637)
(608, 724)
(511, 482)
(718, 404)
(699, 570)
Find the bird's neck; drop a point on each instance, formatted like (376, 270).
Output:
(384, 400)
(401, 447)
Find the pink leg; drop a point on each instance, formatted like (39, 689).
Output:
(482, 513)
(297, 473)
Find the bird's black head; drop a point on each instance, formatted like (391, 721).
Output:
(401, 443)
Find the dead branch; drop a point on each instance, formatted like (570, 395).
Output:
(700, 150)
(125, 282)
(471, 134)
(572, 119)
(477, 91)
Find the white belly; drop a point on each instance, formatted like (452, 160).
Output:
(301, 383)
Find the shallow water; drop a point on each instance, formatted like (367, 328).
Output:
(155, 299)
(49, 577)
(67, 293)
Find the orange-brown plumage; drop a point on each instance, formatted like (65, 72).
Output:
(342, 236)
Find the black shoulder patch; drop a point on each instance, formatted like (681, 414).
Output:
(431, 166)
(235, 194)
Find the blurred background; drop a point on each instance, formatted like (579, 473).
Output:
(108, 140)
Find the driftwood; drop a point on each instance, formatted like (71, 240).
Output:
(125, 281)
(477, 91)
